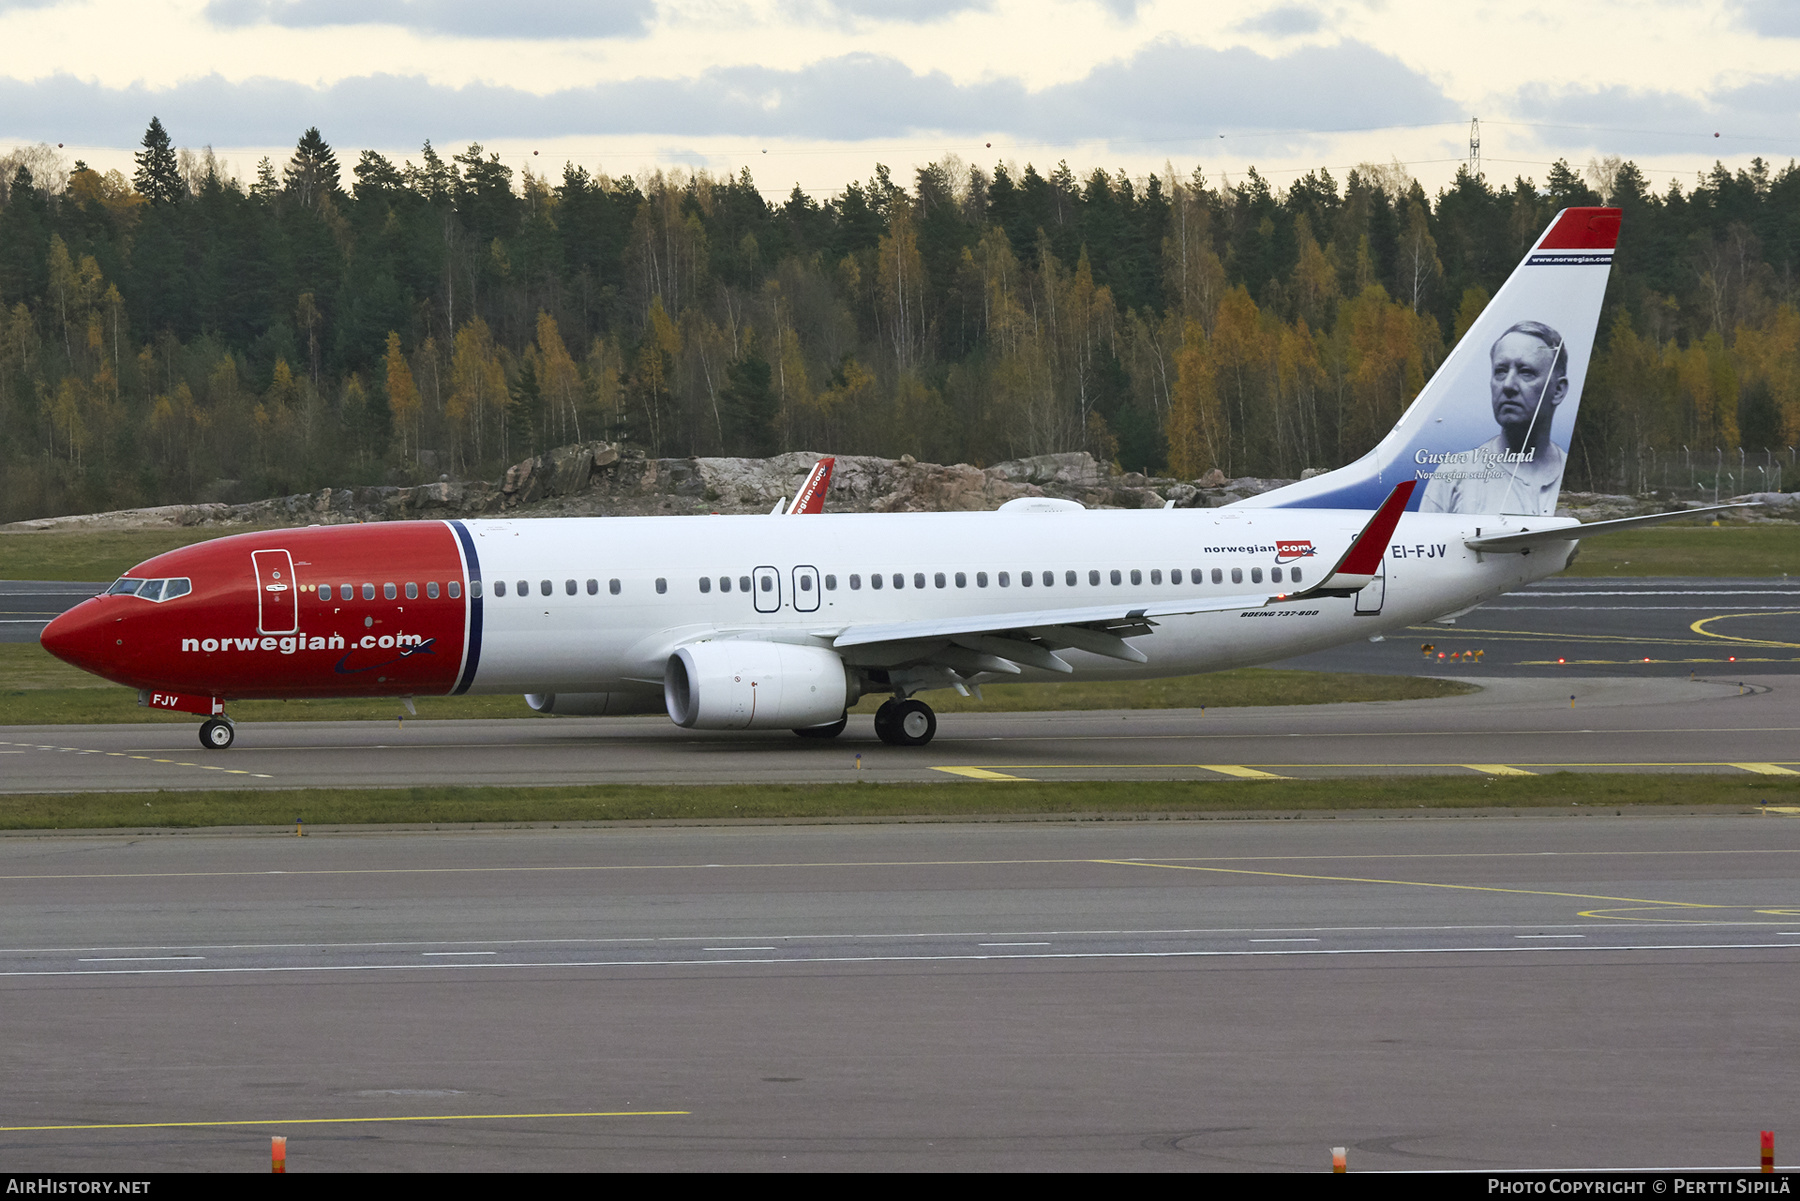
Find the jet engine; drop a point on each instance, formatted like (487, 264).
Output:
(743, 684)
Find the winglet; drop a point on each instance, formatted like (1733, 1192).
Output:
(1360, 563)
(811, 497)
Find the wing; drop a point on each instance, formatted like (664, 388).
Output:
(811, 497)
(998, 643)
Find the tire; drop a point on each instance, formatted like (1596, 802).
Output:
(885, 728)
(828, 730)
(914, 724)
(217, 734)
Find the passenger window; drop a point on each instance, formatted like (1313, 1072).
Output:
(939, 580)
(368, 592)
(875, 579)
(544, 587)
(569, 587)
(389, 592)
(743, 583)
(1294, 574)
(962, 579)
(1218, 576)
(1175, 575)
(1049, 578)
(1094, 578)
(593, 587)
(981, 579)
(499, 587)
(855, 582)
(412, 591)
(1137, 577)
(1156, 575)
(612, 586)
(724, 583)
(1069, 578)
(324, 591)
(831, 583)
(806, 583)
(1256, 575)
(456, 589)
(524, 588)
(347, 591)
(919, 580)
(662, 585)
(705, 583)
(1275, 575)
(431, 590)
(1237, 575)
(1003, 580)
(1025, 580)
(1116, 578)
(900, 581)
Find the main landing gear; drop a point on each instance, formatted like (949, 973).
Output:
(905, 723)
(217, 733)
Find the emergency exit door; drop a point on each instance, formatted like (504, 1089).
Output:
(277, 600)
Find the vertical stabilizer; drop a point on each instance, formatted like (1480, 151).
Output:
(1489, 432)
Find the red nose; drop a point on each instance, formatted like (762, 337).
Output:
(83, 636)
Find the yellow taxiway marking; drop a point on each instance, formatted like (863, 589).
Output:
(1699, 627)
(76, 750)
(431, 1117)
(1498, 769)
(979, 773)
(1766, 769)
(1532, 892)
(1242, 773)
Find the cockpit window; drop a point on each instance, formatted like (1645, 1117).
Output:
(151, 590)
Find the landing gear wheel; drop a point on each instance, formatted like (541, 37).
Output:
(217, 733)
(828, 730)
(907, 723)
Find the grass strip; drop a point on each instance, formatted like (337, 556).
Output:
(454, 806)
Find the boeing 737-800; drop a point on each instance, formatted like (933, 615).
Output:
(770, 623)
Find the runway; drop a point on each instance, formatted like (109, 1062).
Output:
(1513, 726)
(1478, 993)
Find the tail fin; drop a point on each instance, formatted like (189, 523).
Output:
(1489, 433)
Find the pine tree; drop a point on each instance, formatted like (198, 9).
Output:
(312, 174)
(158, 175)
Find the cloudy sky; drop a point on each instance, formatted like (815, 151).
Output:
(814, 92)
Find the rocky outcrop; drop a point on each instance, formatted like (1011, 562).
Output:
(593, 479)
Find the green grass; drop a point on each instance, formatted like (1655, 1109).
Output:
(1564, 791)
(91, 555)
(1692, 550)
(38, 689)
(1728, 550)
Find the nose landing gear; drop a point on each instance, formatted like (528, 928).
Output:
(905, 723)
(217, 733)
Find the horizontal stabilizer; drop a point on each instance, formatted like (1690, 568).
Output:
(1526, 539)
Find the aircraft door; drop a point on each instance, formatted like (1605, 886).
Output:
(277, 600)
(767, 584)
(806, 589)
(1369, 600)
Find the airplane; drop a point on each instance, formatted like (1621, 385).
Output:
(753, 622)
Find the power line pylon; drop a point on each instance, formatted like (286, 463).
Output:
(1474, 147)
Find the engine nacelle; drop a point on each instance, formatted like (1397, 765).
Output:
(742, 684)
(594, 704)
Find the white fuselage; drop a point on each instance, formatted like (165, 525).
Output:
(601, 640)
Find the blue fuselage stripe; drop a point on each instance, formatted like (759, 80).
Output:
(474, 563)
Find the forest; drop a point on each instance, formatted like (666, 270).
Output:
(185, 335)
